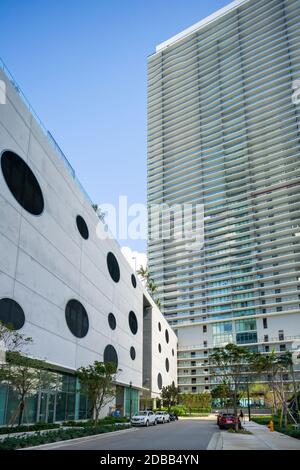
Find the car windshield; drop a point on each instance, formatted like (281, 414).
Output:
(141, 413)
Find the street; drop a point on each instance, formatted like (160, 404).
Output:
(185, 434)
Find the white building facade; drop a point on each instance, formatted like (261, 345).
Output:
(63, 281)
(223, 131)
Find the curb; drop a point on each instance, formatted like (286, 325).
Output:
(216, 442)
(79, 439)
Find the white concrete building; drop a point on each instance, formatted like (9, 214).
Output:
(63, 281)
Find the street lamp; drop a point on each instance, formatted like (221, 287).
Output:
(248, 399)
(130, 400)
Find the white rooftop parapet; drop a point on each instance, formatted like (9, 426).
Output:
(206, 21)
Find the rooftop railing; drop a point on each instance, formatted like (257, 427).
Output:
(44, 129)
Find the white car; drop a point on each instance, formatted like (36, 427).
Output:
(143, 418)
(162, 417)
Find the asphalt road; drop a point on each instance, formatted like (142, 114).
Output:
(187, 434)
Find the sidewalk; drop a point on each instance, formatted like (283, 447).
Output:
(260, 439)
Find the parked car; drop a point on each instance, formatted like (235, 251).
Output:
(173, 417)
(227, 421)
(162, 417)
(144, 418)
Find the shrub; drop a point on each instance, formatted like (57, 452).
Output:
(11, 443)
(26, 428)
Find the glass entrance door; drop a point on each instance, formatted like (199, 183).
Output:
(47, 407)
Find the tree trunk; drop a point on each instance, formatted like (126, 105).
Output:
(22, 406)
(235, 409)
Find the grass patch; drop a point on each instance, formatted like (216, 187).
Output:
(239, 431)
(289, 430)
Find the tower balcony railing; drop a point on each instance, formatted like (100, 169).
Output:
(274, 339)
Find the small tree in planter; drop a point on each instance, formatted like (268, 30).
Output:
(229, 363)
(96, 383)
(169, 395)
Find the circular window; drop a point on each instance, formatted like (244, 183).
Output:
(159, 381)
(133, 324)
(22, 183)
(159, 348)
(77, 318)
(113, 267)
(132, 353)
(11, 314)
(133, 280)
(167, 336)
(167, 365)
(112, 321)
(82, 227)
(159, 326)
(110, 355)
(173, 353)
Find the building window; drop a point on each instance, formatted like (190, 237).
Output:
(77, 318)
(159, 326)
(281, 335)
(194, 389)
(267, 348)
(133, 280)
(159, 381)
(205, 344)
(159, 348)
(133, 323)
(82, 227)
(193, 380)
(113, 267)
(22, 183)
(132, 353)
(112, 321)
(173, 352)
(11, 314)
(266, 338)
(265, 322)
(110, 355)
(204, 329)
(282, 347)
(167, 336)
(167, 365)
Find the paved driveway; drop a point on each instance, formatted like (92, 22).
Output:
(186, 434)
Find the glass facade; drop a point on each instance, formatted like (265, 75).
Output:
(133, 396)
(57, 398)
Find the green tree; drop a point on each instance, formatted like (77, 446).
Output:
(151, 286)
(222, 392)
(229, 364)
(23, 375)
(96, 383)
(169, 395)
(11, 339)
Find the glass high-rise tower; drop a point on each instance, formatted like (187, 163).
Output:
(224, 131)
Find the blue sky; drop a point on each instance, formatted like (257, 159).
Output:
(82, 65)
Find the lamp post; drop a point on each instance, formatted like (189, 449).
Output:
(130, 400)
(248, 399)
